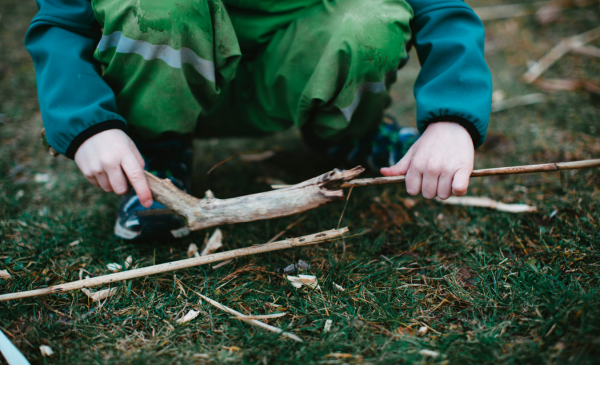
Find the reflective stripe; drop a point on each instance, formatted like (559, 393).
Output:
(174, 58)
(374, 87)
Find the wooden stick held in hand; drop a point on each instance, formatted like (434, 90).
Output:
(176, 265)
(523, 169)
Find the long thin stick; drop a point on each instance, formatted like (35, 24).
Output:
(187, 263)
(250, 321)
(523, 169)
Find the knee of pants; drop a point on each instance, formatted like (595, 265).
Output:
(374, 32)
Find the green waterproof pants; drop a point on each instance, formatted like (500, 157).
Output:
(251, 67)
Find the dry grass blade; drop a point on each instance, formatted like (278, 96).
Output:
(244, 318)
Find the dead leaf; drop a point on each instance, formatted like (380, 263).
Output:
(128, 262)
(100, 295)
(214, 243)
(404, 331)
(338, 287)
(193, 250)
(300, 280)
(42, 178)
(423, 331)
(114, 267)
(192, 314)
(327, 326)
(429, 353)
(4, 274)
(46, 350)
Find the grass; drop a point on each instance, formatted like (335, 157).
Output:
(489, 287)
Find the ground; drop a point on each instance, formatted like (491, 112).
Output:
(472, 286)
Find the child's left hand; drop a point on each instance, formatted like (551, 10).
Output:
(439, 163)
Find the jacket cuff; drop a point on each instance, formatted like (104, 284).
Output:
(465, 123)
(91, 131)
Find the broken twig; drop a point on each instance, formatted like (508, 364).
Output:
(182, 264)
(249, 320)
(470, 201)
(557, 52)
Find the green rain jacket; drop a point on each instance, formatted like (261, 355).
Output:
(454, 83)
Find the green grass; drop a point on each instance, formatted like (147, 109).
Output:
(492, 288)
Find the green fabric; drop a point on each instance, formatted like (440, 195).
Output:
(306, 63)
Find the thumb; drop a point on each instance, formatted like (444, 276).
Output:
(460, 183)
(402, 167)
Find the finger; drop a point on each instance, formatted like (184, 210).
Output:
(136, 177)
(118, 181)
(460, 183)
(402, 167)
(429, 185)
(103, 181)
(413, 181)
(444, 187)
(138, 155)
(92, 179)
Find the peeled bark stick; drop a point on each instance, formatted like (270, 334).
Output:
(248, 319)
(175, 265)
(523, 169)
(209, 212)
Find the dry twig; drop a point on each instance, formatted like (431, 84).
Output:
(249, 320)
(176, 265)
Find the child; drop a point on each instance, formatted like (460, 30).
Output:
(164, 70)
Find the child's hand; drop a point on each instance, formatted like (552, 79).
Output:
(105, 156)
(439, 163)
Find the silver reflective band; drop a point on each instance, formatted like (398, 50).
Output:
(174, 58)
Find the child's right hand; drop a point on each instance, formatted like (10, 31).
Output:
(110, 158)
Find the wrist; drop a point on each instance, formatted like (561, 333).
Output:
(92, 131)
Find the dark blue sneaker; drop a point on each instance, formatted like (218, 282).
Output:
(380, 148)
(165, 159)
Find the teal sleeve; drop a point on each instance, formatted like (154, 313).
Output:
(455, 83)
(74, 100)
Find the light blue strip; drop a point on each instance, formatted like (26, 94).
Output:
(174, 58)
(374, 87)
(10, 352)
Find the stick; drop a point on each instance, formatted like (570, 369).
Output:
(250, 321)
(508, 10)
(176, 265)
(208, 212)
(523, 169)
(558, 52)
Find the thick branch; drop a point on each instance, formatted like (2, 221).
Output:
(208, 212)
